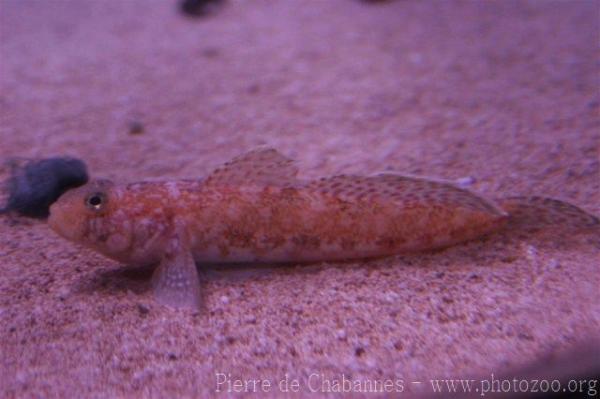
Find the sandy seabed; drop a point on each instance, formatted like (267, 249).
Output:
(502, 93)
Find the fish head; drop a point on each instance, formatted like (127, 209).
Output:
(90, 215)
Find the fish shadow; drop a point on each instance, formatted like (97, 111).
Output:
(137, 280)
(117, 280)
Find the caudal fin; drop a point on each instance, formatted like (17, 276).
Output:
(541, 212)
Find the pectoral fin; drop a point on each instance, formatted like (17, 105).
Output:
(175, 281)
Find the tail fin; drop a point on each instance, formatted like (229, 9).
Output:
(533, 213)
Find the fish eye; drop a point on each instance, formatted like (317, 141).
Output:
(95, 201)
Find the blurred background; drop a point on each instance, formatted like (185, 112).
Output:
(501, 94)
(439, 88)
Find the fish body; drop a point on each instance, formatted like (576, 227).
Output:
(308, 222)
(255, 209)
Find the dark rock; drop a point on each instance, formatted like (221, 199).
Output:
(36, 185)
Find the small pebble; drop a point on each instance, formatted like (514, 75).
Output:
(391, 297)
(341, 334)
(465, 181)
(531, 252)
(211, 52)
(200, 8)
(143, 309)
(554, 264)
(136, 127)
(63, 293)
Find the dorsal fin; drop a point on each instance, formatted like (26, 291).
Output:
(262, 166)
(405, 190)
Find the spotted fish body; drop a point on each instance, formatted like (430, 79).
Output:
(255, 209)
(307, 222)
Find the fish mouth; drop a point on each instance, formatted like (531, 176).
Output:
(53, 219)
(62, 221)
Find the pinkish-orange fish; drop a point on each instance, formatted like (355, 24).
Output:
(255, 209)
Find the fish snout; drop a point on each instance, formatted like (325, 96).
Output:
(63, 221)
